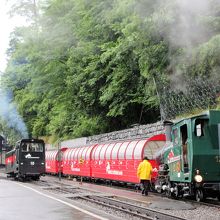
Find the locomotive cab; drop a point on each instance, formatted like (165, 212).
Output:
(193, 158)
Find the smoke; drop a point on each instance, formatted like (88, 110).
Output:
(189, 28)
(186, 25)
(191, 31)
(9, 114)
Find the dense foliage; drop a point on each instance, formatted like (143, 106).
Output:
(85, 67)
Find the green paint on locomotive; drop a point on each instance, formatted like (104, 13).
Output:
(195, 148)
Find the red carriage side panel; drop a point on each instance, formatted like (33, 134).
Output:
(77, 161)
(52, 161)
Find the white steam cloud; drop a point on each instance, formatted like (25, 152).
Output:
(188, 29)
(9, 114)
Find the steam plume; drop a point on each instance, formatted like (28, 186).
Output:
(9, 114)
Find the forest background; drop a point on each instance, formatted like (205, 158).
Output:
(85, 67)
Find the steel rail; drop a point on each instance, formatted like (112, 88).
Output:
(131, 209)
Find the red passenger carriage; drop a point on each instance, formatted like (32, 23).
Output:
(117, 161)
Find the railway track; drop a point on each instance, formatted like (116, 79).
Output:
(108, 202)
(131, 209)
(111, 203)
(208, 202)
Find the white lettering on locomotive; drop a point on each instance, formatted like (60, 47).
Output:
(28, 156)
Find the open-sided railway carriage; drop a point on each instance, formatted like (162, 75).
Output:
(26, 160)
(116, 161)
(190, 161)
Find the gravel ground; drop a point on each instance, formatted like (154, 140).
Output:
(199, 213)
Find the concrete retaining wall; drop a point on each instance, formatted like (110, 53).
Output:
(142, 131)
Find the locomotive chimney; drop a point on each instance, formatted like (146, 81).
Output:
(168, 126)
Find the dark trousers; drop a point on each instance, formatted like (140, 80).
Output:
(145, 185)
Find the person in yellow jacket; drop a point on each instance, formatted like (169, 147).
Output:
(144, 174)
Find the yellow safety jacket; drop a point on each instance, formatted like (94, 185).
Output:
(144, 170)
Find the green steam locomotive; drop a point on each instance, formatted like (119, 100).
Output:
(190, 160)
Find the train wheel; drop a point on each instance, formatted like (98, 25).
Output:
(176, 192)
(21, 179)
(159, 190)
(168, 191)
(199, 195)
(152, 187)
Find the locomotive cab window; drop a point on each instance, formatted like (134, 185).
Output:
(32, 147)
(199, 127)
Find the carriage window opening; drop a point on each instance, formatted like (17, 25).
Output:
(84, 153)
(130, 149)
(55, 156)
(102, 152)
(199, 128)
(79, 156)
(73, 154)
(152, 148)
(93, 153)
(121, 151)
(69, 155)
(61, 155)
(108, 151)
(115, 151)
(97, 152)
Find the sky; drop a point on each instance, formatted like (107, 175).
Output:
(8, 110)
(7, 25)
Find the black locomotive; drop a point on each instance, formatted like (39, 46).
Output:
(26, 160)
